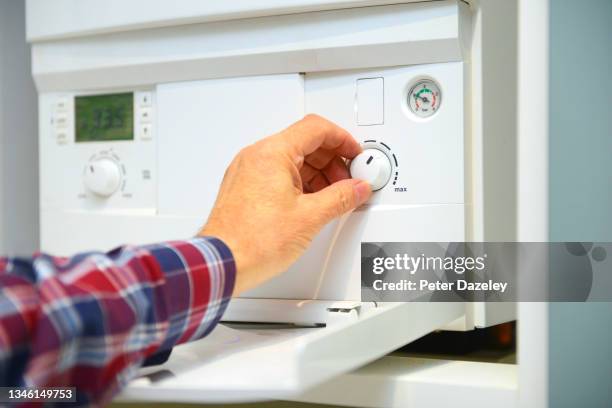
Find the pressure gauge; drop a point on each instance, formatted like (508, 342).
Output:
(424, 98)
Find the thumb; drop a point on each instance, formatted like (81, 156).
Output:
(338, 198)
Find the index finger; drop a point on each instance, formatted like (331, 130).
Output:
(314, 132)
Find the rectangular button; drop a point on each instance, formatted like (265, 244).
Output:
(61, 136)
(145, 115)
(61, 121)
(370, 101)
(146, 132)
(61, 105)
(143, 99)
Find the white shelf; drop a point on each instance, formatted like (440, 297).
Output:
(245, 364)
(395, 381)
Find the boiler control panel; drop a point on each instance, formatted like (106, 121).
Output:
(410, 123)
(99, 150)
(153, 158)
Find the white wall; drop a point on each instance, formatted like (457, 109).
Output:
(18, 136)
(580, 192)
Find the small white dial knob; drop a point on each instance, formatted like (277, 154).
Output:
(373, 166)
(102, 177)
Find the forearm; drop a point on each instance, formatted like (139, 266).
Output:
(89, 321)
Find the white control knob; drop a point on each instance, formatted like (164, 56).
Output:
(102, 177)
(373, 166)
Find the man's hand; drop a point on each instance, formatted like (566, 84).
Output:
(278, 193)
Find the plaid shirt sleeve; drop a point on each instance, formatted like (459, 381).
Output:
(89, 321)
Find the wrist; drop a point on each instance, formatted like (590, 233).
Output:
(241, 283)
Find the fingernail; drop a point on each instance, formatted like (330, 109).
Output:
(363, 191)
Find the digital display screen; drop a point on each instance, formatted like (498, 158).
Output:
(100, 118)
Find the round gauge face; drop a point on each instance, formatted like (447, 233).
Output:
(424, 98)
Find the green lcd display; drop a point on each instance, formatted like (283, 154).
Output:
(104, 117)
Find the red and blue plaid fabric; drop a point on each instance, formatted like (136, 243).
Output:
(91, 320)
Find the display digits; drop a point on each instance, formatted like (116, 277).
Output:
(104, 117)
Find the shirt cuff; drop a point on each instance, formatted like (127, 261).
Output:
(199, 281)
